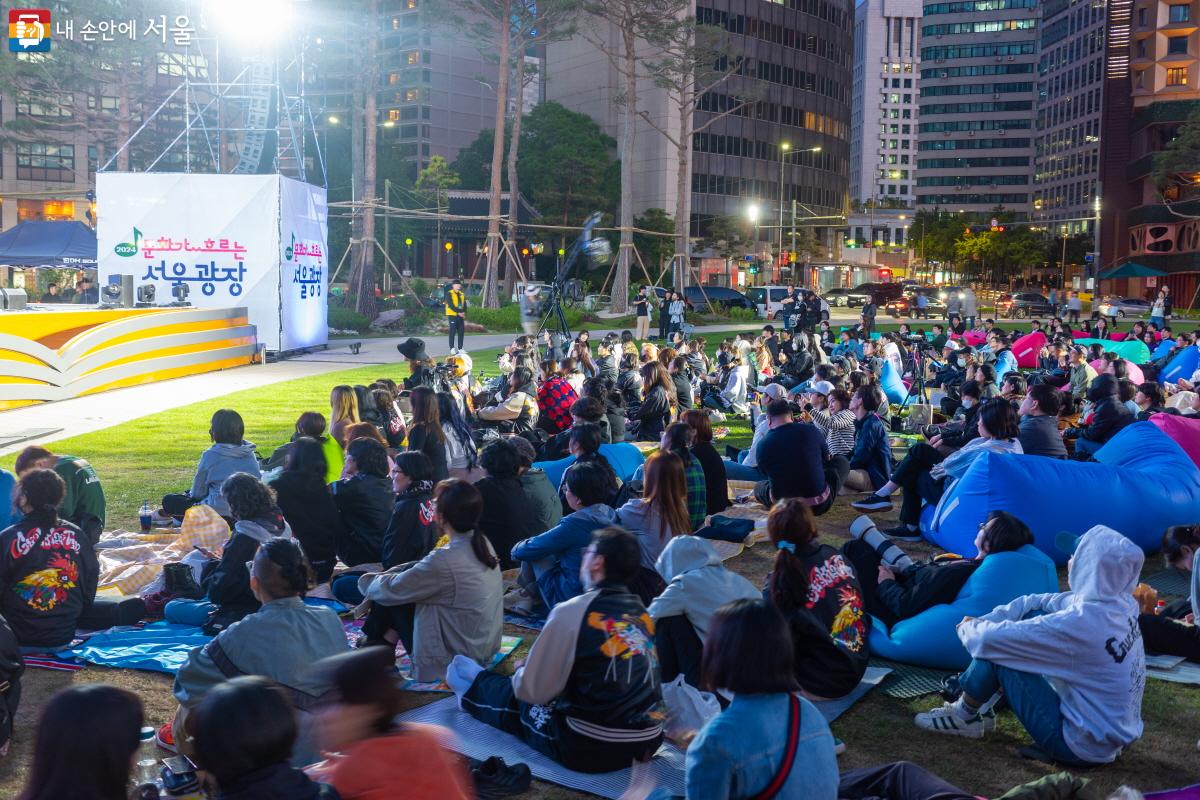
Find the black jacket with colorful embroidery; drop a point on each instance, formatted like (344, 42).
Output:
(595, 661)
(48, 575)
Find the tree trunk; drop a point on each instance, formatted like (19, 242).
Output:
(514, 193)
(683, 194)
(620, 287)
(491, 294)
(365, 286)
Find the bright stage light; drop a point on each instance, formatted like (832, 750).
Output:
(257, 22)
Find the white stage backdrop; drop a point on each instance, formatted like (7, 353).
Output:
(257, 241)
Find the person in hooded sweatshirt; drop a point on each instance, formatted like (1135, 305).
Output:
(229, 454)
(364, 500)
(550, 560)
(698, 583)
(245, 733)
(226, 582)
(1071, 665)
(1108, 416)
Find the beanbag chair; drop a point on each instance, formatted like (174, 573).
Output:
(1026, 349)
(1118, 336)
(623, 457)
(1132, 351)
(1132, 371)
(893, 386)
(1141, 484)
(1164, 347)
(1181, 366)
(929, 640)
(1079, 334)
(1005, 364)
(1184, 431)
(975, 338)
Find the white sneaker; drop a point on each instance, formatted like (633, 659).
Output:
(953, 719)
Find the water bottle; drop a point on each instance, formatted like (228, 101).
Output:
(146, 516)
(146, 781)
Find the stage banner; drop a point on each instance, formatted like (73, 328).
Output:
(222, 237)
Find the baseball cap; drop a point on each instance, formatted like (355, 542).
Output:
(821, 388)
(774, 391)
(950, 345)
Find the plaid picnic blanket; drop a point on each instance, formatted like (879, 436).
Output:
(129, 562)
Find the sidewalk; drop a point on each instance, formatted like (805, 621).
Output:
(103, 410)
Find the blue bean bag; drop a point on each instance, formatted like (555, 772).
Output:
(1005, 364)
(623, 457)
(1181, 366)
(1163, 348)
(929, 639)
(1131, 349)
(1143, 482)
(893, 386)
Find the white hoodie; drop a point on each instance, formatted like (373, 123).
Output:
(1086, 642)
(697, 583)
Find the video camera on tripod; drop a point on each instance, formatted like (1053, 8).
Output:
(597, 251)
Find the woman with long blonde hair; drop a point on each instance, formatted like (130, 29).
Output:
(343, 404)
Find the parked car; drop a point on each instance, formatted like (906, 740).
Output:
(906, 304)
(882, 292)
(1022, 305)
(694, 297)
(769, 301)
(845, 298)
(1121, 307)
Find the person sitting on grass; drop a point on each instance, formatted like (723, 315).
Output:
(895, 587)
(1107, 417)
(229, 454)
(583, 443)
(678, 439)
(309, 424)
(280, 642)
(650, 416)
(1151, 400)
(412, 530)
(229, 594)
(508, 517)
(448, 603)
(246, 734)
(796, 461)
(716, 485)
(536, 489)
(588, 696)
(307, 505)
(83, 505)
(742, 465)
(550, 560)
(870, 464)
(1070, 665)
(656, 517)
(518, 411)
(1171, 629)
(1039, 434)
(364, 500)
(426, 433)
(48, 567)
(697, 584)
(555, 397)
(925, 475)
(744, 751)
(367, 748)
(584, 411)
(106, 723)
(820, 597)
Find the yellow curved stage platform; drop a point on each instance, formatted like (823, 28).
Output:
(55, 354)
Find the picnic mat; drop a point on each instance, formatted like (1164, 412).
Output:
(52, 662)
(157, 647)
(477, 740)
(1173, 668)
(522, 621)
(907, 681)
(353, 629)
(832, 709)
(1171, 582)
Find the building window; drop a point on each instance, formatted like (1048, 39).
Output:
(412, 57)
(1181, 13)
(1176, 76)
(393, 114)
(1177, 45)
(411, 95)
(45, 105)
(45, 162)
(410, 5)
(1141, 48)
(1141, 17)
(1139, 79)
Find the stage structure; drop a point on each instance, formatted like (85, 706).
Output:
(231, 211)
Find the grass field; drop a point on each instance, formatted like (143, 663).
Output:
(156, 454)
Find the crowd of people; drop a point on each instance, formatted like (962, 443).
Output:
(438, 504)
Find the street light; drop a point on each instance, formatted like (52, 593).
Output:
(333, 120)
(785, 150)
(752, 213)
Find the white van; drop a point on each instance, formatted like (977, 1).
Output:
(769, 301)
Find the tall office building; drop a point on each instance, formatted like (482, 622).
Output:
(797, 55)
(1070, 87)
(976, 132)
(883, 115)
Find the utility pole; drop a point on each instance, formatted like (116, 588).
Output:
(792, 247)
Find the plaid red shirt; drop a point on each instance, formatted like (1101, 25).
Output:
(555, 398)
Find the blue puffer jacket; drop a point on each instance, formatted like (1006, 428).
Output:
(871, 450)
(557, 554)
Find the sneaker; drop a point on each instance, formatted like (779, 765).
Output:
(165, 738)
(518, 602)
(903, 533)
(873, 502)
(494, 778)
(948, 719)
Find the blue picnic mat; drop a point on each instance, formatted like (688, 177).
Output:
(157, 647)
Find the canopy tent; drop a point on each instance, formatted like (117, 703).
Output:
(1131, 269)
(49, 244)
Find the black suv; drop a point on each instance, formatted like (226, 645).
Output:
(1023, 305)
(720, 296)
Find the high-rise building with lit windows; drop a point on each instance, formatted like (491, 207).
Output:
(883, 116)
(1070, 97)
(978, 73)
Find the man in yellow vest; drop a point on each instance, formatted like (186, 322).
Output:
(456, 311)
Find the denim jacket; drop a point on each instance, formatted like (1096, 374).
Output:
(739, 752)
(872, 451)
